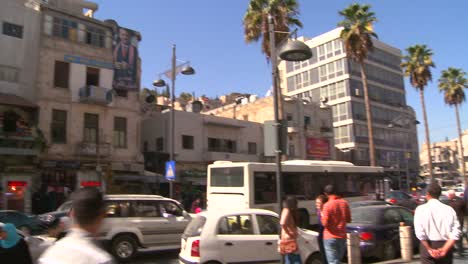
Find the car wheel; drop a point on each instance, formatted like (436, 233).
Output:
(124, 247)
(389, 252)
(25, 229)
(314, 259)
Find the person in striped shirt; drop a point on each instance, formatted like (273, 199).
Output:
(335, 215)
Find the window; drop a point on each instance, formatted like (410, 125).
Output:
(169, 209)
(391, 216)
(340, 112)
(264, 187)
(147, 209)
(252, 148)
(307, 120)
(342, 134)
(9, 74)
(291, 150)
(227, 177)
(222, 145)
(65, 29)
(120, 132)
(323, 73)
(12, 30)
(95, 36)
(91, 126)
(159, 144)
(235, 225)
(92, 76)
(268, 225)
(329, 47)
(61, 74)
(145, 146)
(289, 117)
(119, 209)
(187, 142)
(59, 126)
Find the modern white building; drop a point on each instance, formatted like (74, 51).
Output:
(331, 76)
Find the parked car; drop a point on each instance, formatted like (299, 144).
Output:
(240, 236)
(142, 221)
(28, 224)
(402, 199)
(368, 203)
(378, 228)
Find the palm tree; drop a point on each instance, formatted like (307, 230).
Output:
(285, 15)
(357, 36)
(417, 66)
(452, 83)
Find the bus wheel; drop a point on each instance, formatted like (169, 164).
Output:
(303, 218)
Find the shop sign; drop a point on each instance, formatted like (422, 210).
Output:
(90, 184)
(63, 164)
(318, 148)
(17, 184)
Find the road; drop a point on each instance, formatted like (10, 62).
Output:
(156, 257)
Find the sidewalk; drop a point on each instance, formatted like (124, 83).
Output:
(456, 259)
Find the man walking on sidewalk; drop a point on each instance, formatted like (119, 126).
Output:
(437, 227)
(335, 215)
(459, 206)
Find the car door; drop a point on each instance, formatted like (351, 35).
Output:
(237, 240)
(153, 226)
(268, 227)
(177, 220)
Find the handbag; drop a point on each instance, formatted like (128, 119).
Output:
(287, 246)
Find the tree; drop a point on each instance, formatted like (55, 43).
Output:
(185, 97)
(357, 36)
(452, 83)
(147, 92)
(417, 64)
(285, 15)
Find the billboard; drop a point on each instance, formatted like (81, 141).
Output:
(318, 148)
(125, 58)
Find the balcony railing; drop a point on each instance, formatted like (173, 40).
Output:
(95, 95)
(19, 146)
(92, 149)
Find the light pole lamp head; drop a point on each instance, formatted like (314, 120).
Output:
(295, 50)
(187, 70)
(159, 83)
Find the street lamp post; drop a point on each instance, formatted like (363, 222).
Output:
(185, 69)
(291, 51)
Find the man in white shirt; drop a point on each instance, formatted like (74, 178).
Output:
(437, 227)
(78, 247)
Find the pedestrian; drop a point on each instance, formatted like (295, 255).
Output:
(459, 205)
(13, 248)
(78, 247)
(288, 241)
(319, 203)
(196, 206)
(335, 215)
(437, 227)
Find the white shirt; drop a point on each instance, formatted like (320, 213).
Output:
(436, 221)
(77, 247)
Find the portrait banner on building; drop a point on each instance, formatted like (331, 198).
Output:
(318, 148)
(125, 58)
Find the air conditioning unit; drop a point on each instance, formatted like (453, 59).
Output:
(358, 92)
(323, 99)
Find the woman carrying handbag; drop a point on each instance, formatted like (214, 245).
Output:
(288, 242)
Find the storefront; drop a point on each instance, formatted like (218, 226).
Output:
(16, 191)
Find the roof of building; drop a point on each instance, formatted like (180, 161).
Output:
(11, 99)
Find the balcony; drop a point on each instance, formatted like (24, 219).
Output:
(91, 94)
(18, 146)
(91, 149)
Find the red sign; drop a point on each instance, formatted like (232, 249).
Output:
(17, 184)
(318, 148)
(90, 184)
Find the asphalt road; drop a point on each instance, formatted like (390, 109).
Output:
(156, 257)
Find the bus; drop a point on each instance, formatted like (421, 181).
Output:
(253, 185)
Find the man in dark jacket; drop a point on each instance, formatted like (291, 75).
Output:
(459, 205)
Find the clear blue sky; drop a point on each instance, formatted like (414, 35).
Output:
(209, 33)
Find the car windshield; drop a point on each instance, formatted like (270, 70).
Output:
(195, 227)
(364, 215)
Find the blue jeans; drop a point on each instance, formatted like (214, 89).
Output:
(292, 259)
(335, 249)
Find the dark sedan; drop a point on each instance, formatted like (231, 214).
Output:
(29, 224)
(378, 228)
(61, 211)
(402, 199)
(368, 203)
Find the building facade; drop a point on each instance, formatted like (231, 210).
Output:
(199, 140)
(309, 126)
(331, 76)
(446, 160)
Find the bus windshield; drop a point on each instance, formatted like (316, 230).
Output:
(227, 177)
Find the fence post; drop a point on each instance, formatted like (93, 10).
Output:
(406, 242)
(354, 251)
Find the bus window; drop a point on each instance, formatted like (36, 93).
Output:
(265, 187)
(227, 177)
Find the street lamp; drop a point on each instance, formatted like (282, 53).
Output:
(185, 69)
(292, 51)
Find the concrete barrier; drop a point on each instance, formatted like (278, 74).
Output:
(354, 251)
(406, 242)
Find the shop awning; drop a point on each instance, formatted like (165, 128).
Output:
(11, 99)
(146, 176)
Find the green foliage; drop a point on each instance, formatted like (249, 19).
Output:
(451, 83)
(417, 64)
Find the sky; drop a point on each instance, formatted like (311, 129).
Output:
(209, 34)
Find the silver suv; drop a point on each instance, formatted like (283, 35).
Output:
(142, 221)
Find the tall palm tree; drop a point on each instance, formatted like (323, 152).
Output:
(357, 36)
(417, 66)
(285, 15)
(452, 83)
